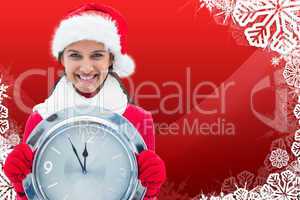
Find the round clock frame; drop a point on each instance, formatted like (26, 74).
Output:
(116, 125)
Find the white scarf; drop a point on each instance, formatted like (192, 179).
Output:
(111, 97)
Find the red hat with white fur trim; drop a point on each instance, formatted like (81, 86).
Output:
(99, 23)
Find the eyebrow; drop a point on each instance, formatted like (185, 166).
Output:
(96, 51)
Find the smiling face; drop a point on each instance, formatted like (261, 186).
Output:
(86, 65)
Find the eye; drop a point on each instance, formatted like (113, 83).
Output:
(75, 55)
(97, 55)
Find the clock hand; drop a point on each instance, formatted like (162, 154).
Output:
(85, 155)
(75, 151)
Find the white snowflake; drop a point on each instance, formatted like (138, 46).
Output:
(5, 149)
(14, 129)
(3, 91)
(222, 196)
(297, 135)
(296, 145)
(294, 92)
(294, 167)
(6, 189)
(296, 149)
(275, 61)
(285, 186)
(241, 194)
(209, 4)
(14, 139)
(4, 126)
(297, 111)
(3, 112)
(244, 179)
(226, 8)
(273, 23)
(4, 123)
(294, 54)
(279, 158)
(291, 74)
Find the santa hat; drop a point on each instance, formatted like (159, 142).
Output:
(99, 23)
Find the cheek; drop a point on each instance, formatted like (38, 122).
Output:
(70, 70)
(102, 64)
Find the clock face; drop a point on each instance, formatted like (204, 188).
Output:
(105, 173)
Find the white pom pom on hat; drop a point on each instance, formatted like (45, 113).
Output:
(99, 23)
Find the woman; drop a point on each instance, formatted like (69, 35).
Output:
(90, 44)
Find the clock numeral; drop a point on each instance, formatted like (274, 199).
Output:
(101, 134)
(55, 150)
(87, 135)
(116, 156)
(48, 167)
(52, 185)
(91, 139)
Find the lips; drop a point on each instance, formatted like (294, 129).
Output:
(86, 77)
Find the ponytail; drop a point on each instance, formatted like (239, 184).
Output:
(117, 77)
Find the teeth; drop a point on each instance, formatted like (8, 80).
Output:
(86, 77)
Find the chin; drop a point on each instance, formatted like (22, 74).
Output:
(86, 90)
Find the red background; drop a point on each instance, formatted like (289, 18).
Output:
(165, 39)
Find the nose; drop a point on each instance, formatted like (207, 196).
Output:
(86, 67)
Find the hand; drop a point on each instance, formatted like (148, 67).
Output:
(76, 154)
(152, 172)
(17, 166)
(85, 155)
